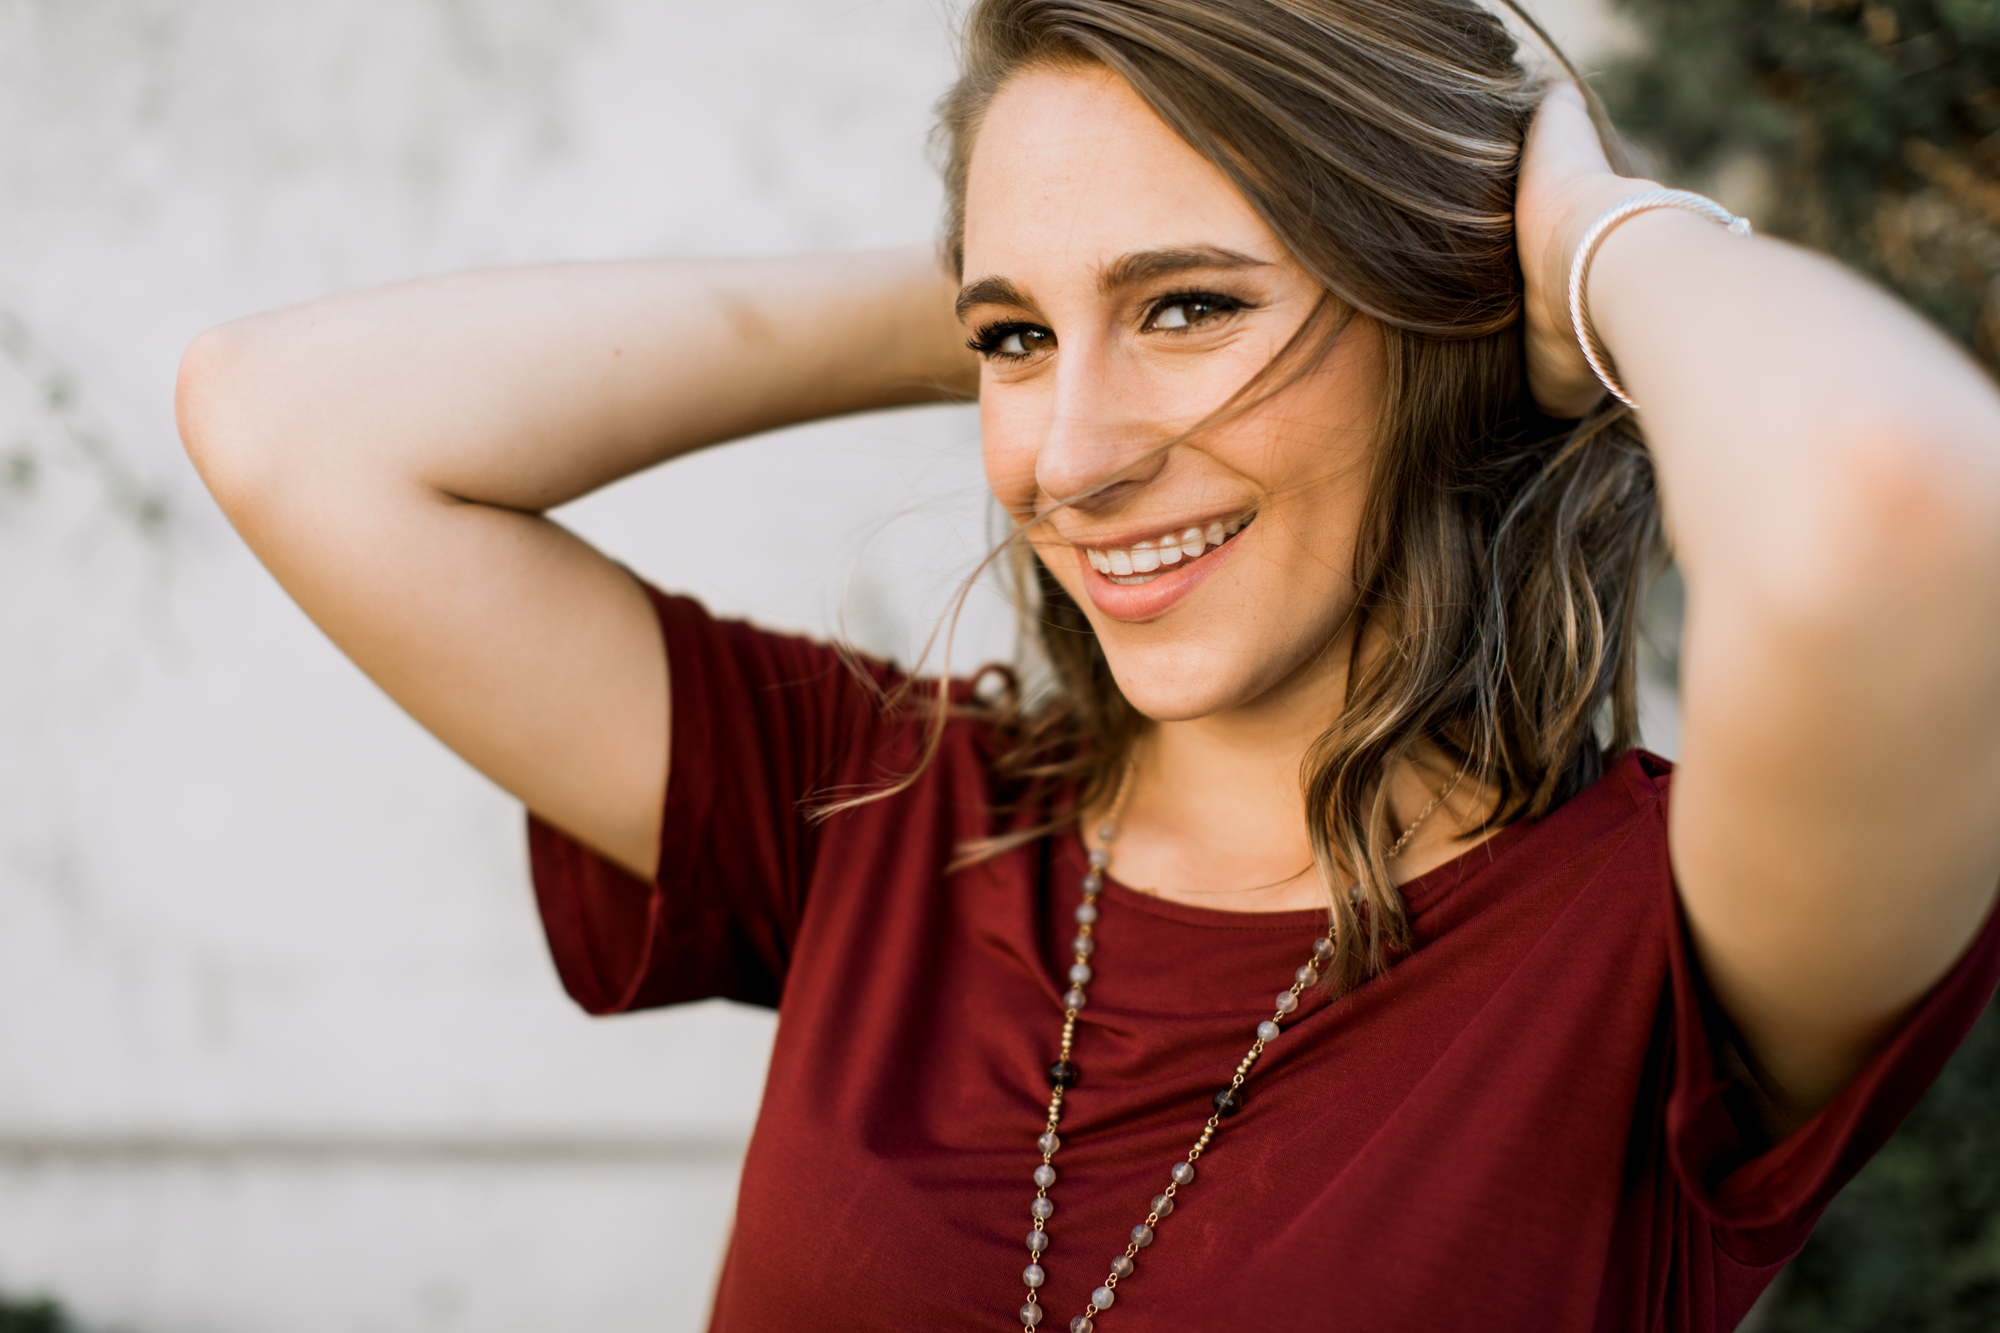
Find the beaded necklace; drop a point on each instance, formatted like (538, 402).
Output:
(1226, 1101)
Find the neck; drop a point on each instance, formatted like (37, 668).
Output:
(1216, 815)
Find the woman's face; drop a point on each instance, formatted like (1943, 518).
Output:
(1120, 289)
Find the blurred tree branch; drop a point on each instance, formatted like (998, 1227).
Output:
(1875, 124)
(1869, 129)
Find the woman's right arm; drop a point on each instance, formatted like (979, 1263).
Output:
(388, 455)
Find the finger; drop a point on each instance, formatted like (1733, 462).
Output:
(1563, 139)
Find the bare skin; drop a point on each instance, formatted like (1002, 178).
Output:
(1831, 470)
(388, 456)
(1073, 181)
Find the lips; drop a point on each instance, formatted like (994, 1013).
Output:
(1162, 569)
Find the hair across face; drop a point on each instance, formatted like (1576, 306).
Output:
(1378, 138)
(1250, 263)
(1121, 290)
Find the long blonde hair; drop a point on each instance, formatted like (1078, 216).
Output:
(1502, 554)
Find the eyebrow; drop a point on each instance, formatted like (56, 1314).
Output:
(1143, 266)
(1129, 270)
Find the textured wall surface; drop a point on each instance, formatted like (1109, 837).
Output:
(280, 1048)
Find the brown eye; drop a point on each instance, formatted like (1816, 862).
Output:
(1023, 342)
(1012, 342)
(1175, 314)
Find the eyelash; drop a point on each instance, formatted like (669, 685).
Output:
(988, 339)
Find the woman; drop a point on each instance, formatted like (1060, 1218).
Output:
(1330, 816)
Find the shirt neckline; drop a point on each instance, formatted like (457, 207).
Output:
(1620, 777)
(1419, 894)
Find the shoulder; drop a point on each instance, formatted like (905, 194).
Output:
(736, 682)
(1619, 815)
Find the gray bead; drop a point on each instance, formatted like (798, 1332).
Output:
(1287, 1002)
(1033, 1275)
(1142, 1235)
(1102, 1298)
(1122, 1267)
(1183, 1173)
(1106, 832)
(1268, 1031)
(1322, 949)
(1086, 913)
(1031, 1314)
(1048, 1143)
(1306, 975)
(1162, 1206)
(1083, 946)
(1045, 1176)
(1082, 1324)
(1099, 858)
(1038, 1240)
(1093, 882)
(1079, 974)
(1074, 998)
(1043, 1209)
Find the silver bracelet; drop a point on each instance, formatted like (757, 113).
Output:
(1579, 271)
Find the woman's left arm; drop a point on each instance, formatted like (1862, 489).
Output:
(1830, 470)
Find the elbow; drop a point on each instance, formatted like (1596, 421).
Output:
(1922, 505)
(1896, 524)
(212, 411)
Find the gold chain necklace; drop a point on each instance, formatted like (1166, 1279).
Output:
(1227, 1101)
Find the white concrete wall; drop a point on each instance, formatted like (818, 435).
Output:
(280, 1047)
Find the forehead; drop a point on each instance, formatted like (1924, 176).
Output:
(1071, 167)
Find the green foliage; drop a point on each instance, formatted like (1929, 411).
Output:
(1913, 1245)
(1869, 129)
(1874, 123)
(33, 1317)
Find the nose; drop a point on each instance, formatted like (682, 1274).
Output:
(1098, 445)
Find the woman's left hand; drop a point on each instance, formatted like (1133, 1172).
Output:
(1830, 466)
(1566, 184)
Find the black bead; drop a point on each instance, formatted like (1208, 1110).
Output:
(1228, 1101)
(1063, 1074)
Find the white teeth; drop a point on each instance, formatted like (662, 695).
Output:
(1142, 560)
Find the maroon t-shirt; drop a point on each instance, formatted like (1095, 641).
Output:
(1521, 1126)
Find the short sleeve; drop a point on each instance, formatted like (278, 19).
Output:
(762, 725)
(1769, 1200)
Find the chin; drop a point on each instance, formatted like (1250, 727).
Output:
(1170, 683)
(1178, 705)
(1222, 664)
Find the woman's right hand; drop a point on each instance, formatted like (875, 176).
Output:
(389, 455)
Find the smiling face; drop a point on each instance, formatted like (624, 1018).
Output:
(1121, 290)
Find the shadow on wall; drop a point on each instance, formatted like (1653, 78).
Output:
(41, 399)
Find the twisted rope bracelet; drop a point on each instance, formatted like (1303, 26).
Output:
(1579, 270)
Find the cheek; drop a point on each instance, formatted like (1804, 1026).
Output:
(1007, 448)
